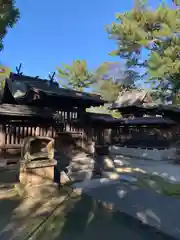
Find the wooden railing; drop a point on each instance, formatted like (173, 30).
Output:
(12, 133)
(12, 136)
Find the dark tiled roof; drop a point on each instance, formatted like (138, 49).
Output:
(53, 89)
(98, 117)
(105, 118)
(24, 111)
(150, 107)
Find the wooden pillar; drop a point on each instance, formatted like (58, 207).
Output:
(2, 139)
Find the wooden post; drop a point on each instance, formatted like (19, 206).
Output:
(2, 139)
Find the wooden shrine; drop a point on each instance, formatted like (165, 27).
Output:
(35, 111)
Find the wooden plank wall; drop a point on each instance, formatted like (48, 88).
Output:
(12, 134)
(152, 133)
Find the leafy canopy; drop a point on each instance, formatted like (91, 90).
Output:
(114, 79)
(78, 77)
(9, 15)
(75, 76)
(4, 73)
(104, 110)
(150, 38)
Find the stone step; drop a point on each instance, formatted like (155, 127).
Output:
(83, 161)
(80, 175)
(81, 165)
(120, 161)
(76, 168)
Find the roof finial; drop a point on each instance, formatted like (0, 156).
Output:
(18, 69)
(51, 76)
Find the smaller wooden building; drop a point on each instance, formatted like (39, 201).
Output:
(147, 122)
(144, 132)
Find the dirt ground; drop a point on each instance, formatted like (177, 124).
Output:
(20, 216)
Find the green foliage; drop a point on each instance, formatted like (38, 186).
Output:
(78, 77)
(159, 96)
(75, 76)
(9, 15)
(156, 31)
(104, 110)
(108, 89)
(115, 113)
(2, 84)
(102, 80)
(159, 184)
(176, 99)
(113, 79)
(4, 74)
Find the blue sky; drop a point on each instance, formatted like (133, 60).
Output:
(53, 32)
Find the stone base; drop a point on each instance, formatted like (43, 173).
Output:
(37, 172)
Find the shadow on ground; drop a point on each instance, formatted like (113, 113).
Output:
(20, 217)
(5, 219)
(83, 219)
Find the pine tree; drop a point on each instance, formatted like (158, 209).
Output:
(114, 79)
(9, 15)
(75, 76)
(108, 89)
(154, 32)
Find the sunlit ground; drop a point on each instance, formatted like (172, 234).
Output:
(159, 184)
(149, 181)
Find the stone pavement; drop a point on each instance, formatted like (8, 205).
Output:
(78, 217)
(82, 219)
